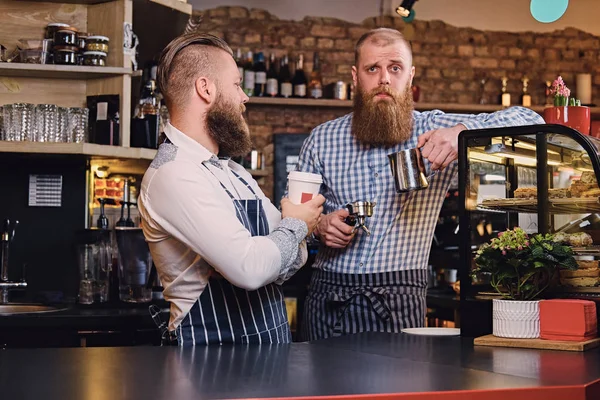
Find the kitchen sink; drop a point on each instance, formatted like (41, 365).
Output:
(11, 309)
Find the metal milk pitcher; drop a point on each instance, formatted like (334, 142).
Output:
(408, 170)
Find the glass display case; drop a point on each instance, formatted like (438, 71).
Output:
(542, 178)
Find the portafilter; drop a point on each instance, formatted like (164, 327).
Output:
(359, 211)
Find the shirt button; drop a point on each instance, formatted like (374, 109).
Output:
(360, 265)
(376, 174)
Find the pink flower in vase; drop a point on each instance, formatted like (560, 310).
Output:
(567, 111)
(560, 91)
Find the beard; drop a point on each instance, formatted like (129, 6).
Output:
(228, 129)
(382, 122)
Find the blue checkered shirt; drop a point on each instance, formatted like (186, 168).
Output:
(402, 225)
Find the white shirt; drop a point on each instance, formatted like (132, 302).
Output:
(192, 229)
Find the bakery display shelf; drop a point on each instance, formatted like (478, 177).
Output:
(573, 205)
(593, 250)
(565, 142)
(583, 290)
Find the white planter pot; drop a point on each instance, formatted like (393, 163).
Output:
(516, 319)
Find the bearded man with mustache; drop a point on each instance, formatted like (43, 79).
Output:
(378, 282)
(220, 247)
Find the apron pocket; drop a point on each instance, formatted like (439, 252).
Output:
(279, 334)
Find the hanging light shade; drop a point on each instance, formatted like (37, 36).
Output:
(547, 11)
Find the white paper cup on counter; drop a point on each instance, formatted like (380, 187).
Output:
(303, 186)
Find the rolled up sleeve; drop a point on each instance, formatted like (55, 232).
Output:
(512, 116)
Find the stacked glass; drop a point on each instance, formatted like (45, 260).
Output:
(18, 122)
(43, 123)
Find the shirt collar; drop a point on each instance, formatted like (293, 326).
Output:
(194, 150)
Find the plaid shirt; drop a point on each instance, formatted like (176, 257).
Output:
(402, 225)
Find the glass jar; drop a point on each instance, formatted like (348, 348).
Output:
(97, 43)
(94, 58)
(65, 55)
(46, 123)
(66, 37)
(77, 125)
(82, 37)
(51, 28)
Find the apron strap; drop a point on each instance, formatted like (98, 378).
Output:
(234, 173)
(166, 338)
(216, 164)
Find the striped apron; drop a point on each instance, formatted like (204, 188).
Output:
(227, 314)
(340, 304)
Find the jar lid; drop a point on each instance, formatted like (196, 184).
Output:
(57, 24)
(71, 49)
(99, 38)
(94, 53)
(69, 29)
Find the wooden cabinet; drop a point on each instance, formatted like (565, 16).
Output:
(68, 86)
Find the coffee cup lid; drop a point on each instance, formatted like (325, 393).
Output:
(305, 177)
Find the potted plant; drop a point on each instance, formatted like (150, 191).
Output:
(521, 268)
(567, 111)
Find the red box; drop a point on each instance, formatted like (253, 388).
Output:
(571, 320)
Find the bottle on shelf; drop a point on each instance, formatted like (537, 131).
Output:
(272, 82)
(285, 78)
(299, 81)
(505, 97)
(260, 76)
(548, 92)
(146, 123)
(150, 97)
(239, 62)
(249, 75)
(525, 97)
(315, 85)
(150, 101)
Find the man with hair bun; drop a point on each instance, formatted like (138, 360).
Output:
(220, 247)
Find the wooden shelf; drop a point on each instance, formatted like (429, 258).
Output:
(146, 154)
(172, 4)
(87, 2)
(260, 172)
(87, 149)
(95, 151)
(60, 71)
(348, 104)
(280, 101)
(446, 107)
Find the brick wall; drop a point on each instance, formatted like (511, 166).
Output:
(449, 61)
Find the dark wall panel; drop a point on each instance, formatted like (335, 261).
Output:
(45, 236)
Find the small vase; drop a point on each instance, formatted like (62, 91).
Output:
(576, 117)
(516, 319)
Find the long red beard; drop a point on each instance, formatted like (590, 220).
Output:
(383, 122)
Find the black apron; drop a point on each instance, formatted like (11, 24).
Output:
(340, 304)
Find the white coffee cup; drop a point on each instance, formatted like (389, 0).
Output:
(303, 186)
